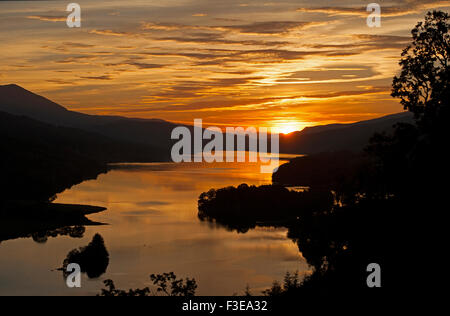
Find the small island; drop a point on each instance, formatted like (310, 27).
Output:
(245, 207)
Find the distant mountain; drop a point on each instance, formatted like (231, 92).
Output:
(38, 160)
(19, 101)
(97, 146)
(338, 137)
(335, 137)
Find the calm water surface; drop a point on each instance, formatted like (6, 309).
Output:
(153, 228)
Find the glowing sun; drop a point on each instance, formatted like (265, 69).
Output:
(288, 127)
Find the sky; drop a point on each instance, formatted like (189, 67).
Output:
(280, 64)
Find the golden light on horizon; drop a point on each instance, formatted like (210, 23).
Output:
(287, 127)
(227, 63)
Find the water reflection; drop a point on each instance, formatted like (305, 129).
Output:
(154, 228)
(93, 258)
(46, 222)
(71, 231)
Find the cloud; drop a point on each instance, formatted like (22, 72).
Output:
(223, 57)
(48, 18)
(335, 72)
(194, 89)
(382, 41)
(103, 77)
(227, 20)
(139, 65)
(60, 82)
(76, 59)
(272, 27)
(168, 26)
(359, 43)
(227, 82)
(410, 7)
(239, 103)
(256, 28)
(206, 34)
(109, 33)
(77, 45)
(337, 94)
(263, 56)
(145, 65)
(211, 38)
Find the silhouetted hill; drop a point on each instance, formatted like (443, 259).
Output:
(339, 137)
(335, 137)
(38, 160)
(323, 171)
(97, 146)
(16, 100)
(19, 101)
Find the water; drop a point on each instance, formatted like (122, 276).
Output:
(153, 228)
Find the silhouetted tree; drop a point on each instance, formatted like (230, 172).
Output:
(248, 291)
(112, 291)
(93, 259)
(244, 207)
(415, 155)
(275, 290)
(422, 84)
(166, 283)
(291, 285)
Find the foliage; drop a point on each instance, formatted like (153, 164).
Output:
(112, 291)
(166, 283)
(93, 259)
(422, 85)
(245, 207)
(291, 284)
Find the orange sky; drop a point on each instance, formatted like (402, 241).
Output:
(283, 64)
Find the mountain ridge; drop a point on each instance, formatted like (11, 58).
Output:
(19, 101)
(156, 132)
(340, 137)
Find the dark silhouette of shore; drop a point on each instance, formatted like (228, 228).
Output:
(40, 220)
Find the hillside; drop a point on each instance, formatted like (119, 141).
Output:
(19, 101)
(38, 160)
(334, 137)
(338, 137)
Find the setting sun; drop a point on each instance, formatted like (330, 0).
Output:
(288, 127)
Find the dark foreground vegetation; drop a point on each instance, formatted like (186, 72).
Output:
(165, 284)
